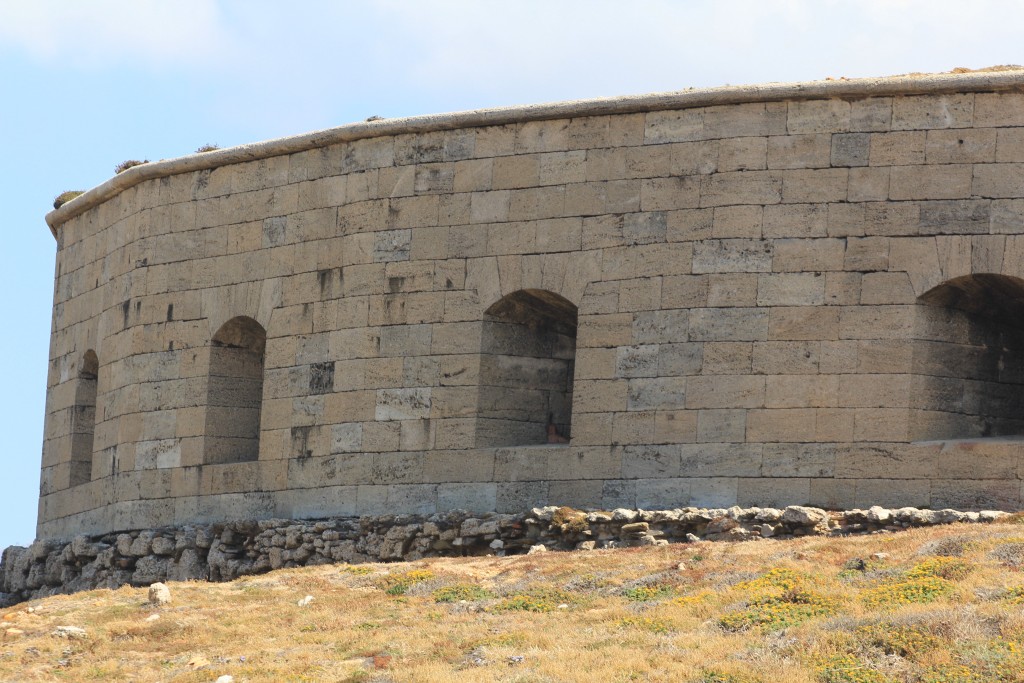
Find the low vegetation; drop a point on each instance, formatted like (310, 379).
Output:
(930, 605)
(65, 197)
(130, 163)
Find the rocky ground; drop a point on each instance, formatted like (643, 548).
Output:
(222, 552)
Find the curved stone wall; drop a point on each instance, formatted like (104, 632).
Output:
(790, 294)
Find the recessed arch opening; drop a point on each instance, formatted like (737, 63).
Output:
(235, 392)
(968, 359)
(83, 419)
(527, 366)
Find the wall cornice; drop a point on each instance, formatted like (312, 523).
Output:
(982, 81)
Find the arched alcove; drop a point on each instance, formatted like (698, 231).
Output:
(527, 364)
(235, 392)
(83, 419)
(968, 360)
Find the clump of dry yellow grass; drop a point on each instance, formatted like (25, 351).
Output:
(934, 605)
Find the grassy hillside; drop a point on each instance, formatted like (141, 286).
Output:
(937, 605)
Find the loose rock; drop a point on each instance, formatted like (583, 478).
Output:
(159, 594)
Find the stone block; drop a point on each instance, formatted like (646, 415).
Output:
(635, 427)
(674, 126)
(721, 426)
(796, 220)
(731, 289)
(805, 460)
(662, 494)
(725, 391)
(869, 461)
(801, 390)
(713, 492)
(904, 148)
(675, 426)
(775, 493)
(998, 180)
(785, 357)
(514, 497)
(973, 494)
(741, 154)
(659, 327)
(808, 255)
(737, 222)
(951, 181)
(960, 146)
(774, 425)
(815, 185)
(741, 187)
(476, 497)
(791, 289)
(799, 151)
(933, 111)
(732, 256)
(868, 184)
(650, 393)
(728, 324)
(818, 116)
(850, 149)
(726, 358)
(679, 192)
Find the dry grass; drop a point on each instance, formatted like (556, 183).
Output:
(942, 605)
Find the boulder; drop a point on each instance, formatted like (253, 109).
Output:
(799, 515)
(159, 594)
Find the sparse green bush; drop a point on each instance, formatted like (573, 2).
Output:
(908, 591)
(648, 593)
(847, 668)
(650, 624)
(399, 584)
(774, 612)
(908, 641)
(207, 148)
(462, 591)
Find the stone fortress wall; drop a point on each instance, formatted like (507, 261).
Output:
(770, 295)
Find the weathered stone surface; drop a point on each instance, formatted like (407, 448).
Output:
(253, 547)
(781, 295)
(159, 594)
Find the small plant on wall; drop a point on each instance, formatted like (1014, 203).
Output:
(65, 197)
(125, 165)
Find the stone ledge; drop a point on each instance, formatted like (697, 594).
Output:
(985, 81)
(222, 552)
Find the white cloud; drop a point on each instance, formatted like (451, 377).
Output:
(101, 33)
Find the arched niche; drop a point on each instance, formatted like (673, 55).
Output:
(527, 365)
(83, 419)
(968, 360)
(235, 392)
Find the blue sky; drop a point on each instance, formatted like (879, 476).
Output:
(86, 85)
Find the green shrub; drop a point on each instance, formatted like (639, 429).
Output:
(462, 591)
(650, 624)
(847, 668)
(523, 603)
(909, 591)
(399, 584)
(648, 593)
(774, 612)
(908, 641)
